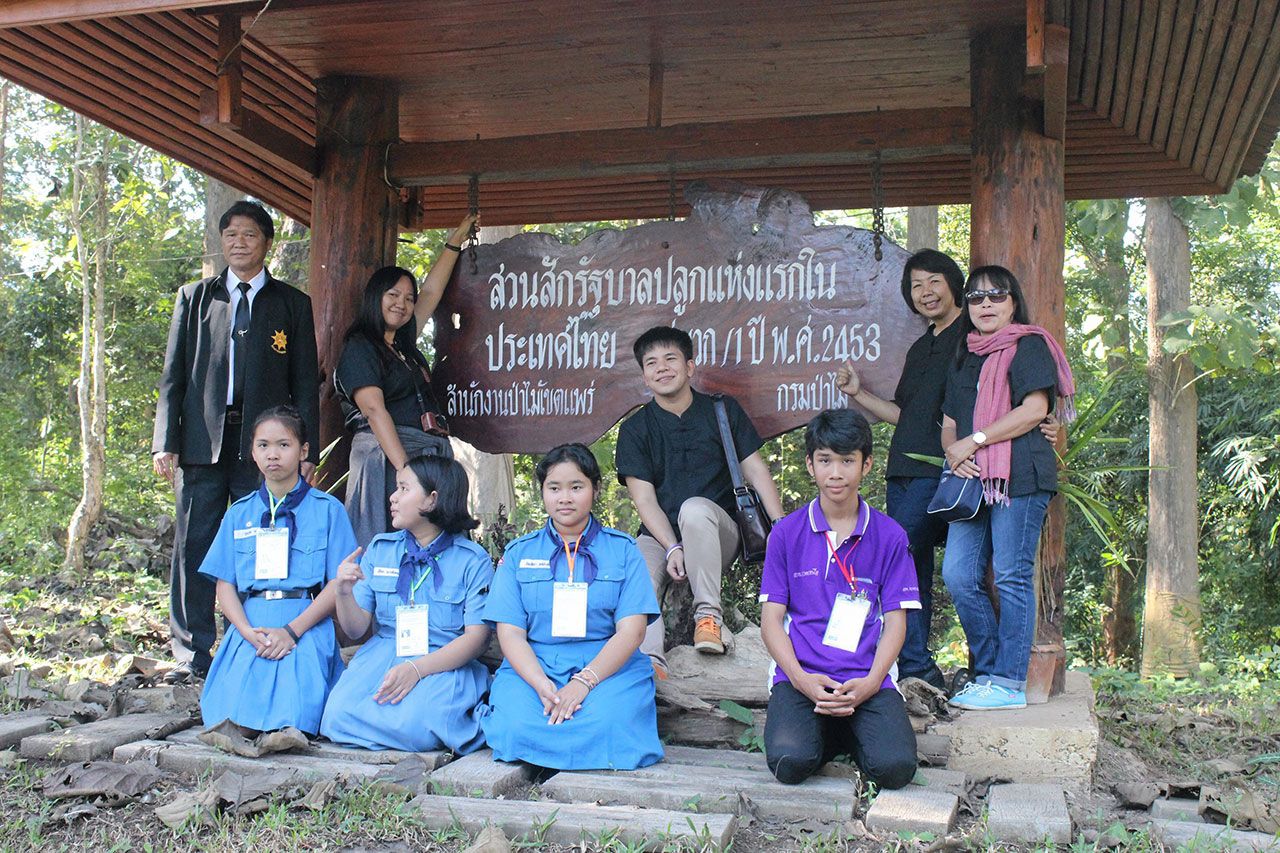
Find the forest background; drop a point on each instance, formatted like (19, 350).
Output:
(98, 232)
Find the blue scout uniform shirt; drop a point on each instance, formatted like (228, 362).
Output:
(454, 592)
(800, 572)
(523, 586)
(323, 541)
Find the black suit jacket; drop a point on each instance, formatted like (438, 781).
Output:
(281, 367)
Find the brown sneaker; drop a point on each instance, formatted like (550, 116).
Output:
(659, 671)
(706, 636)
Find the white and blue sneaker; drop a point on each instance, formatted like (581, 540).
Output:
(985, 696)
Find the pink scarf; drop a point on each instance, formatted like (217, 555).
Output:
(994, 400)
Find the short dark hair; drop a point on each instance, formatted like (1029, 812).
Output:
(840, 430)
(288, 416)
(578, 454)
(931, 260)
(255, 211)
(1002, 279)
(448, 480)
(659, 335)
(371, 325)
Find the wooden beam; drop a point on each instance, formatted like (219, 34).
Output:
(28, 13)
(259, 133)
(229, 85)
(1057, 45)
(794, 141)
(1035, 36)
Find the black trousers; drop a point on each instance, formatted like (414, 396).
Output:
(203, 494)
(878, 736)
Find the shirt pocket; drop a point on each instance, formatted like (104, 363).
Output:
(245, 550)
(535, 588)
(306, 560)
(446, 608)
(385, 599)
(603, 592)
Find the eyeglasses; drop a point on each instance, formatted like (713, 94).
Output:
(975, 297)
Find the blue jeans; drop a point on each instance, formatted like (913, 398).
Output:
(1007, 536)
(906, 499)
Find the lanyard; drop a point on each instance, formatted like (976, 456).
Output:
(571, 558)
(274, 505)
(846, 565)
(413, 588)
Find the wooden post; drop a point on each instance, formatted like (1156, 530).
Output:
(354, 221)
(922, 228)
(1018, 221)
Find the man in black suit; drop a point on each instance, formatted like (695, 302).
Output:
(240, 342)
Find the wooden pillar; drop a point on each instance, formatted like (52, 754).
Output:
(922, 228)
(1017, 220)
(354, 221)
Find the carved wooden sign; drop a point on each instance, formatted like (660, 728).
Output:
(534, 346)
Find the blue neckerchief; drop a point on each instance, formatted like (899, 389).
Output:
(583, 557)
(285, 512)
(416, 558)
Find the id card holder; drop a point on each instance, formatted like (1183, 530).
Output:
(569, 610)
(844, 628)
(271, 558)
(412, 627)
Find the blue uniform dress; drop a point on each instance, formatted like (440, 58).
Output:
(441, 711)
(270, 694)
(617, 726)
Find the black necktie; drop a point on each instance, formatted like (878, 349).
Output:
(239, 345)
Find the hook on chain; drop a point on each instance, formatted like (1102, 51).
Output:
(877, 207)
(473, 207)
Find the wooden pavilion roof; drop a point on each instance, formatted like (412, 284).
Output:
(594, 109)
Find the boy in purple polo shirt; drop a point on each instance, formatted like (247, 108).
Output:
(837, 583)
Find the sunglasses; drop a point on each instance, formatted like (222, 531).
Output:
(975, 297)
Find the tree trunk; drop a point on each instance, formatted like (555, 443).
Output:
(922, 228)
(4, 137)
(217, 198)
(91, 391)
(1171, 618)
(291, 255)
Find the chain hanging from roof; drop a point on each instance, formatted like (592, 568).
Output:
(473, 207)
(877, 207)
(671, 194)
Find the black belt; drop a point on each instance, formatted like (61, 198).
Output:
(235, 416)
(277, 594)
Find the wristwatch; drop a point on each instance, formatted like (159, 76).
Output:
(979, 438)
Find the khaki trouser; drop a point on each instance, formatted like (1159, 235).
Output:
(710, 539)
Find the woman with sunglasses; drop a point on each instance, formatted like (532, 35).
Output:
(1004, 383)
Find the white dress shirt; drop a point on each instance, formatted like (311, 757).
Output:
(233, 287)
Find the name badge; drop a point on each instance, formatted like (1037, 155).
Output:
(569, 610)
(534, 563)
(244, 532)
(386, 571)
(272, 554)
(412, 639)
(844, 628)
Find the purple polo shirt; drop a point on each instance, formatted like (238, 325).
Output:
(800, 572)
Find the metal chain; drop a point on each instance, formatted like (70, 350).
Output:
(671, 196)
(877, 207)
(473, 206)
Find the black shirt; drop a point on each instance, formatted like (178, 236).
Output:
(1034, 465)
(919, 396)
(401, 382)
(682, 456)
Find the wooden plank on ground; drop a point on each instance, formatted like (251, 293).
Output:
(324, 749)
(98, 739)
(727, 758)
(567, 824)
(198, 759)
(479, 773)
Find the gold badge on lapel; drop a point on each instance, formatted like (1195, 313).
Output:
(279, 341)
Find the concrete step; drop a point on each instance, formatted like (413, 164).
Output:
(324, 749)
(728, 758)
(913, 809)
(15, 727)
(1190, 835)
(1028, 813)
(940, 779)
(1056, 742)
(565, 824)
(708, 789)
(478, 774)
(198, 759)
(98, 739)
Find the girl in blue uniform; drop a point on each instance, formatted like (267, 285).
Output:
(571, 603)
(271, 558)
(416, 684)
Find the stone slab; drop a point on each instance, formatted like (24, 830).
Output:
(97, 739)
(1056, 742)
(479, 773)
(940, 779)
(708, 790)
(729, 758)
(324, 749)
(1184, 835)
(1028, 813)
(913, 809)
(1177, 809)
(15, 727)
(741, 674)
(168, 697)
(568, 824)
(199, 759)
(933, 748)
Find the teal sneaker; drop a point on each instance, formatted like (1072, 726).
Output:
(988, 697)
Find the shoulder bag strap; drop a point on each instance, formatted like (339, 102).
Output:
(726, 439)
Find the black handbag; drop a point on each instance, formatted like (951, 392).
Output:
(753, 522)
(956, 499)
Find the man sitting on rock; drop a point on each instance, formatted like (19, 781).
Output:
(837, 583)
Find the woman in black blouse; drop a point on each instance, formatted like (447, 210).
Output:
(384, 385)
